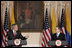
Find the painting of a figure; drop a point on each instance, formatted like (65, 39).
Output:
(29, 15)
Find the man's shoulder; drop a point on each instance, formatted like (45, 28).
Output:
(18, 31)
(54, 34)
(62, 33)
(10, 30)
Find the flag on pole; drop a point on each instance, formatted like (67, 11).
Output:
(46, 32)
(62, 22)
(12, 19)
(5, 29)
(53, 21)
(68, 27)
(1, 32)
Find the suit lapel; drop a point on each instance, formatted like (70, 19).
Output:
(59, 35)
(12, 33)
(56, 35)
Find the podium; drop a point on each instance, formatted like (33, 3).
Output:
(22, 42)
(53, 43)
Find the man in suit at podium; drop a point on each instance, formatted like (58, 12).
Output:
(58, 35)
(15, 34)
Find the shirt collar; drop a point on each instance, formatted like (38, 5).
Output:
(14, 31)
(58, 33)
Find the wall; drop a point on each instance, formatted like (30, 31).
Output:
(35, 37)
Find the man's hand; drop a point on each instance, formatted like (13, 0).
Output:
(27, 36)
(19, 39)
(6, 38)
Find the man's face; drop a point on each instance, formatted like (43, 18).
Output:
(27, 5)
(16, 28)
(57, 30)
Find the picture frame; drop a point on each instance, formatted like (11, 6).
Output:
(29, 15)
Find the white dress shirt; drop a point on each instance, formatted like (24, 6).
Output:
(14, 32)
(58, 34)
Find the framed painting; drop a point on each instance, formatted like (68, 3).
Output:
(29, 15)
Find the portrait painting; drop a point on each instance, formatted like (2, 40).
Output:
(29, 15)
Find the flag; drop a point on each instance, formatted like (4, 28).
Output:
(12, 20)
(68, 27)
(68, 22)
(1, 32)
(62, 22)
(5, 29)
(46, 32)
(53, 21)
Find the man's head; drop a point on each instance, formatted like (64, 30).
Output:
(27, 5)
(15, 27)
(57, 29)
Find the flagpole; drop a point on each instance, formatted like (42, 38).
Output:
(6, 4)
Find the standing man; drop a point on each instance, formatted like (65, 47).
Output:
(58, 35)
(15, 34)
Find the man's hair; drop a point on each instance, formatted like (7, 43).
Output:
(58, 27)
(13, 25)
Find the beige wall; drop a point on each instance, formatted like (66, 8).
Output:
(35, 37)
(33, 40)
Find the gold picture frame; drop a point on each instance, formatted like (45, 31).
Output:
(29, 15)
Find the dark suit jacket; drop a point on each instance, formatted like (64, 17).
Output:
(60, 37)
(12, 37)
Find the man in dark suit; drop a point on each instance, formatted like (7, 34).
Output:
(58, 35)
(15, 34)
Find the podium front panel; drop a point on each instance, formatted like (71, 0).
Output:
(52, 43)
(11, 42)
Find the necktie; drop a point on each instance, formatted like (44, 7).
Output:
(57, 35)
(14, 33)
